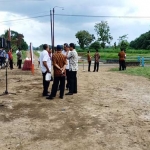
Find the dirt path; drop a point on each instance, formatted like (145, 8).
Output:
(110, 112)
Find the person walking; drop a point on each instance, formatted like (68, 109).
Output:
(89, 59)
(59, 66)
(96, 63)
(73, 68)
(19, 58)
(45, 64)
(65, 52)
(122, 56)
(10, 57)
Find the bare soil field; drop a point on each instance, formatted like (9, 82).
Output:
(111, 111)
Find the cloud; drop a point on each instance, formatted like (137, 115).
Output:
(37, 30)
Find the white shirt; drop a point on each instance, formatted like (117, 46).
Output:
(44, 56)
(73, 60)
(65, 53)
(17, 51)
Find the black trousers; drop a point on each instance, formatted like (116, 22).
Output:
(68, 78)
(58, 80)
(19, 64)
(89, 65)
(73, 81)
(2, 61)
(11, 64)
(45, 84)
(122, 65)
(96, 66)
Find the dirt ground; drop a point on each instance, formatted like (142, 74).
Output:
(110, 112)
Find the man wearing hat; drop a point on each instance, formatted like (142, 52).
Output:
(59, 66)
(64, 52)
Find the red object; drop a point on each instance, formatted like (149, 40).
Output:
(27, 65)
(10, 55)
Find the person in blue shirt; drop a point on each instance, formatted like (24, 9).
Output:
(2, 57)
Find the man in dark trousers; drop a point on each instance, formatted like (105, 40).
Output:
(96, 63)
(10, 55)
(19, 58)
(64, 52)
(122, 56)
(59, 66)
(45, 64)
(73, 68)
(89, 60)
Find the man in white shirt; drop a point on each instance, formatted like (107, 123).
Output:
(73, 68)
(45, 64)
(64, 52)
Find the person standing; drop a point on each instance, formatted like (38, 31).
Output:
(122, 56)
(73, 68)
(64, 52)
(45, 64)
(59, 65)
(2, 57)
(10, 56)
(19, 58)
(96, 63)
(89, 58)
(16, 54)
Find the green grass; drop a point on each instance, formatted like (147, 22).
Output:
(137, 71)
(36, 53)
(23, 56)
(132, 55)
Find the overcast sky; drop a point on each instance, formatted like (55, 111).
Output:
(37, 30)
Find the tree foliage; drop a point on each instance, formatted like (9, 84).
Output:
(123, 43)
(95, 45)
(84, 38)
(103, 32)
(17, 40)
(142, 42)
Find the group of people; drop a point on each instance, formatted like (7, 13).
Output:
(4, 55)
(65, 66)
(96, 61)
(121, 55)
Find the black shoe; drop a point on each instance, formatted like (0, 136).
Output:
(45, 95)
(61, 97)
(49, 97)
(69, 94)
(74, 92)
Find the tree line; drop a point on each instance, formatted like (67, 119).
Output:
(17, 40)
(104, 37)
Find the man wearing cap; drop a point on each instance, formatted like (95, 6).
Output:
(59, 66)
(73, 68)
(45, 64)
(64, 52)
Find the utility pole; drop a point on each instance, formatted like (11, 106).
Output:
(51, 23)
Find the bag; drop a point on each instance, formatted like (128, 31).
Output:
(48, 77)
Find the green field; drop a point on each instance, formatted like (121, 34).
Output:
(132, 55)
(137, 71)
